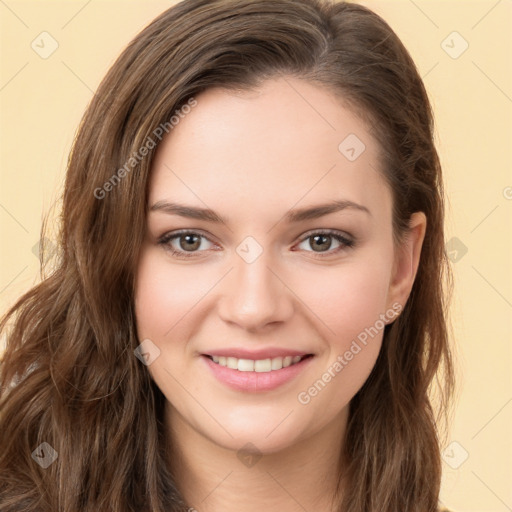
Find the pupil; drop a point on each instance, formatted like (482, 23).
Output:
(188, 239)
(324, 237)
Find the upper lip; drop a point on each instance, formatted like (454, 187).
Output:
(266, 353)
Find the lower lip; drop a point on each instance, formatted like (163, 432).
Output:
(256, 381)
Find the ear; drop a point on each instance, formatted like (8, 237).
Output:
(407, 258)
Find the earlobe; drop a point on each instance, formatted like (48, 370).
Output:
(407, 259)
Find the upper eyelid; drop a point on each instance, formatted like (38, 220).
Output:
(173, 234)
(327, 231)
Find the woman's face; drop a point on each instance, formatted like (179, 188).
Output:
(284, 275)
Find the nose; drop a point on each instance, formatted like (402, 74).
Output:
(255, 295)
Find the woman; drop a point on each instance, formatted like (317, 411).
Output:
(248, 309)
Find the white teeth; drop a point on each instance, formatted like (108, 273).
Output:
(277, 363)
(260, 365)
(245, 365)
(263, 365)
(232, 363)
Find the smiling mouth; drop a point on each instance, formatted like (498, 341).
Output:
(259, 365)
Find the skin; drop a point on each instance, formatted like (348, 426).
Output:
(252, 157)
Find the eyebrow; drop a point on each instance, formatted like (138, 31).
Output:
(293, 216)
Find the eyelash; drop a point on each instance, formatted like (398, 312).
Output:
(346, 243)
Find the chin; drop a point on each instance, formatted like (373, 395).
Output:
(267, 431)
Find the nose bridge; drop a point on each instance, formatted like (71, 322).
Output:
(254, 295)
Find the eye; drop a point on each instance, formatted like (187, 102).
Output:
(321, 241)
(183, 244)
(188, 244)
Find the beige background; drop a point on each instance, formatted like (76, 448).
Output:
(42, 100)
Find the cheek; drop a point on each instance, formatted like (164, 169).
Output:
(165, 296)
(350, 306)
(343, 301)
(165, 293)
(351, 358)
(346, 300)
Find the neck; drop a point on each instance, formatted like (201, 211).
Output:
(298, 478)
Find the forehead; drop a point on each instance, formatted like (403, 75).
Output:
(284, 142)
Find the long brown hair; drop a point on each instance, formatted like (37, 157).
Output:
(69, 376)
